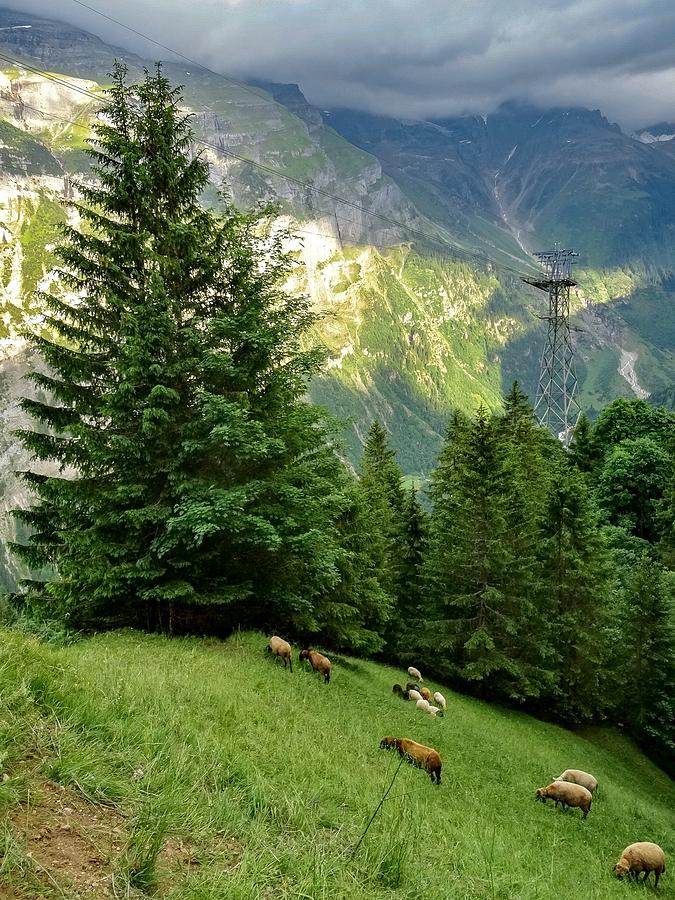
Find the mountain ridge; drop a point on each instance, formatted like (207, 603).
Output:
(413, 327)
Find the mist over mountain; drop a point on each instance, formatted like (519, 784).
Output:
(412, 233)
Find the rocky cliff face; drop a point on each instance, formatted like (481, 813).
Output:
(410, 334)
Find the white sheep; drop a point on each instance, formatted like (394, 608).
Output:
(422, 704)
(434, 710)
(576, 776)
(414, 695)
(440, 699)
(414, 673)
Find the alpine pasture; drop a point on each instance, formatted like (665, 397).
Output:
(228, 776)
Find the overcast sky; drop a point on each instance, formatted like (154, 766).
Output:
(418, 58)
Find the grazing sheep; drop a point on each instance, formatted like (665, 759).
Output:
(415, 695)
(405, 695)
(318, 662)
(415, 673)
(416, 754)
(642, 857)
(279, 647)
(426, 693)
(566, 794)
(422, 704)
(435, 710)
(440, 699)
(398, 690)
(576, 776)
(412, 686)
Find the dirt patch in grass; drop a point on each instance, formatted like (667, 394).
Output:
(73, 844)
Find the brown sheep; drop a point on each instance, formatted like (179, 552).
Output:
(318, 662)
(416, 754)
(576, 776)
(279, 647)
(566, 794)
(642, 857)
(426, 693)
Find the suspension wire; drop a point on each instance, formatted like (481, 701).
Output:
(453, 250)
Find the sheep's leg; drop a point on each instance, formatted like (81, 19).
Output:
(657, 875)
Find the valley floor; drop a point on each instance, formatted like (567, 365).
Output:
(135, 765)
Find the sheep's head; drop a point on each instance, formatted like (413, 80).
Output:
(622, 868)
(540, 794)
(304, 654)
(387, 743)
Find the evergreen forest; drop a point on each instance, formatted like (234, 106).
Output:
(198, 491)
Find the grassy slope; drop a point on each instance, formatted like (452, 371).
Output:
(238, 752)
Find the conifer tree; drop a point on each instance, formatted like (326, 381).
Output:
(409, 604)
(575, 572)
(484, 627)
(647, 660)
(204, 490)
(582, 451)
(382, 493)
(666, 511)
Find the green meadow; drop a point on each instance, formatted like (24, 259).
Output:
(226, 776)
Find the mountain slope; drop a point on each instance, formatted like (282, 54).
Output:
(411, 332)
(258, 782)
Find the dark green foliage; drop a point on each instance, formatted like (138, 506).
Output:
(666, 511)
(206, 492)
(647, 659)
(382, 495)
(631, 483)
(583, 452)
(629, 419)
(481, 571)
(354, 614)
(575, 570)
(407, 620)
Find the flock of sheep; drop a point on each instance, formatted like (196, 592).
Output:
(573, 788)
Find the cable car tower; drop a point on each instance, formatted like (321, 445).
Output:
(556, 406)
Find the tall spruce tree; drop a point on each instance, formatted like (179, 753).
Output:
(575, 573)
(647, 660)
(483, 617)
(382, 492)
(409, 602)
(583, 452)
(204, 490)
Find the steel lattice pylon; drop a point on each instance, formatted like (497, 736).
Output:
(556, 406)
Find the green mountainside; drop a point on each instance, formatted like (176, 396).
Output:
(138, 765)
(412, 330)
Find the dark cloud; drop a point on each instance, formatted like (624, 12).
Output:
(419, 58)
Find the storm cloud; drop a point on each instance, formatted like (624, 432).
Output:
(417, 58)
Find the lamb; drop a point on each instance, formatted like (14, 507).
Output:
(642, 857)
(426, 693)
(415, 673)
(279, 647)
(434, 711)
(422, 704)
(415, 695)
(576, 776)
(318, 662)
(566, 794)
(440, 699)
(416, 754)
